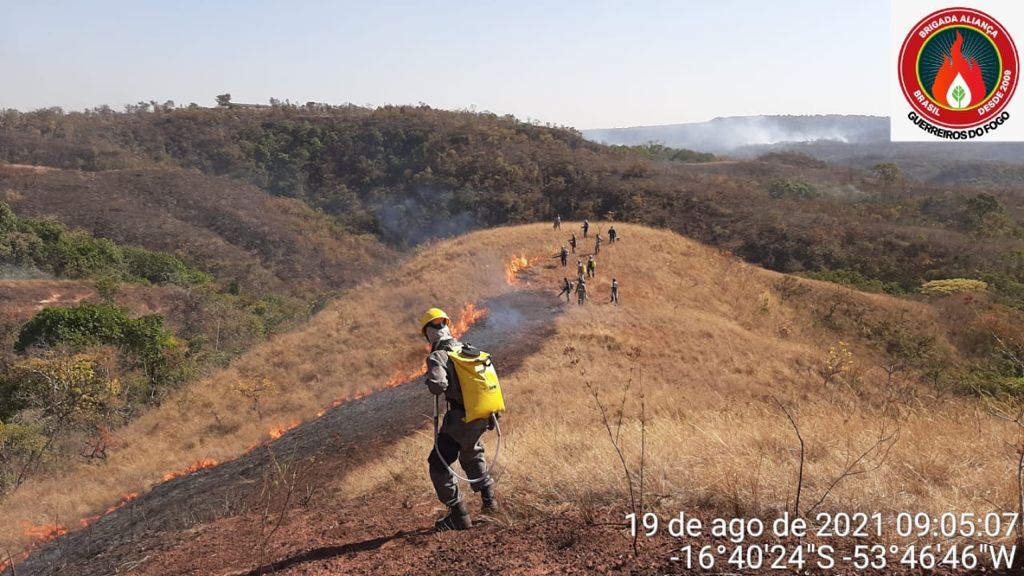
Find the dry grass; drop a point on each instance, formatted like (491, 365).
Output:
(716, 342)
(715, 339)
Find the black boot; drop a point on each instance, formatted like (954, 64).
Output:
(457, 519)
(488, 499)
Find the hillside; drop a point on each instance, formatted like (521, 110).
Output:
(235, 231)
(698, 358)
(405, 174)
(21, 299)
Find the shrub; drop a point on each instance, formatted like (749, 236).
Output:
(953, 286)
(78, 255)
(20, 445)
(96, 324)
(160, 267)
(795, 189)
(48, 245)
(985, 383)
(856, 280)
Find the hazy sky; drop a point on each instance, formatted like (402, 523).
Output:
(585, 64)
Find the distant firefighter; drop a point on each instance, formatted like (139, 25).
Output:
(563, 256)
(572, 242)
(591, 267)
(615, 291)
(558, 222)
(579, 268)
(612, 235)
(581, 291)
(597, 244)
(566, 289)
(586, 228)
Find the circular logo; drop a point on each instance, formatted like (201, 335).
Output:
(958, 68)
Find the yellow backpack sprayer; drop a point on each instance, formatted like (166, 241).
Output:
(481, 396)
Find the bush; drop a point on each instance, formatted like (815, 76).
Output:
(20, 445)
(984, 383)
(160, 268)
(96, 324)
(78, 255)
(48, 245)
(953, 286)
(795, 189)
(856, 280)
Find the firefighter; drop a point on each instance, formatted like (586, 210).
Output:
(581, 291)
(457, 440)
(579, 267)
(591, 267)
(612, 235)
(558, 221)
(566, 289)
(597, 245)
(586, 228)
(563, 256)
(572, 242)
(615, 291)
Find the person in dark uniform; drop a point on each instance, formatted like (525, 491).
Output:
(566, 289)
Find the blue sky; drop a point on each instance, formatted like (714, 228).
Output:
(584, 64)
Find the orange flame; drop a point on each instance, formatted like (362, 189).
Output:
(5, 564)
(126, 498)
(42, 533)
(516, 265)
(468, 316)
(197, 466)
(403, 376)
(279, 430)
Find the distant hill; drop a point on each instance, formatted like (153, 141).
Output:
(860, 141)
(727, 135)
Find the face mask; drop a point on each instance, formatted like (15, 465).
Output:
(435, 335)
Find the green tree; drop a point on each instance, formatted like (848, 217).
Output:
(8, 221)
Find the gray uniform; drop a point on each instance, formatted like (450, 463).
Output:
(457, 439)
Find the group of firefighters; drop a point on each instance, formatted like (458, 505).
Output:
(584, 270)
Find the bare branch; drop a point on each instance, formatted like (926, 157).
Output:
(800, 475)
(884, 445)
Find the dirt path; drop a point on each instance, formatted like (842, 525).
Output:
(515, 327)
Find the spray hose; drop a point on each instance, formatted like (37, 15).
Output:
(437, 433)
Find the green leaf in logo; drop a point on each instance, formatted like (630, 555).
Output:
(958, 94)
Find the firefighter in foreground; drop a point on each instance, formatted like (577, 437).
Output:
(458, 438)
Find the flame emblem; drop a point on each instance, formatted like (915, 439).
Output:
(958, 82)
